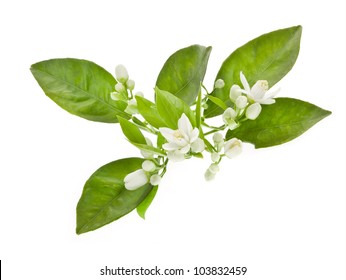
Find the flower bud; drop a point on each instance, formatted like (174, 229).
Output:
(130, 84)
(229, 118)
(131, 107)
(253, 111)
(241, 102)
(233, 147)
(135, 180)
(219, 83)
(148, 166)
(121, 74)
(155, 179)
(197, 146)
(120, 87)
(215, 157)
(117, 96)
(214, 168)
(209, 175)
(217, 137)
(234, 92)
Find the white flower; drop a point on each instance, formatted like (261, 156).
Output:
(181, 140)
(121, 74)
(155, 179)
(233, 147)
(253, 111)
(219, 83)
(258, 92)
(148, 166)
(136, 179)
(229, 118)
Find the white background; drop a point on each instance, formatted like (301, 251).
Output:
(279, 211)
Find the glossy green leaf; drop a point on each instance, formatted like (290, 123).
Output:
(80, 87)
(278, 123)
(149, 112)
(184, 71)
(131, 131)
(171, 108)
(269, 57)
(105, 199)
(218, 102)
(143, 207)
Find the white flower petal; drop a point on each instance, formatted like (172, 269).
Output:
(194, 135)
(198, 146)
(185, 149)
(266, 101)
(253, 111)
(259, 89)
(244, 82)
(235, 92)
(184, 125)
(167, 133)
(148, 166)
(233, 147)
(171, 146)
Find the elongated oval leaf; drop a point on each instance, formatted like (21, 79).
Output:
(131, 131)
(105, 199)
(80, 87)
(143, 207)
(184, 71)
(149, 112)
(269, 57)
(280, 122)
(171, 108)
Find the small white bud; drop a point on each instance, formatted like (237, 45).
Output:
(116, 96)
(155, 179)
(120, 87)
(241, 102)
(214, 168)
(234, 92)
(219, 83)
(229, 118)
(217, 137)
(198, 146)
(253, 111)
(233, 147)
(121, 74)
(135, 180)
(148, 166)
(215, 157)
(209, 175)
(130, 84)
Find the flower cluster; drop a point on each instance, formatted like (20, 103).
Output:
(124, 90)
(187, 141)
(247, 106)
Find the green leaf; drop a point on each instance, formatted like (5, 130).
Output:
(80, 87)
(131, 131)
(278, 123)
(184, 71)
(148, 148)
(218, 102)
(105, 199)
(143, 207)
(149, 112)
(199, 109)
(171, 108)
(269, 57)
